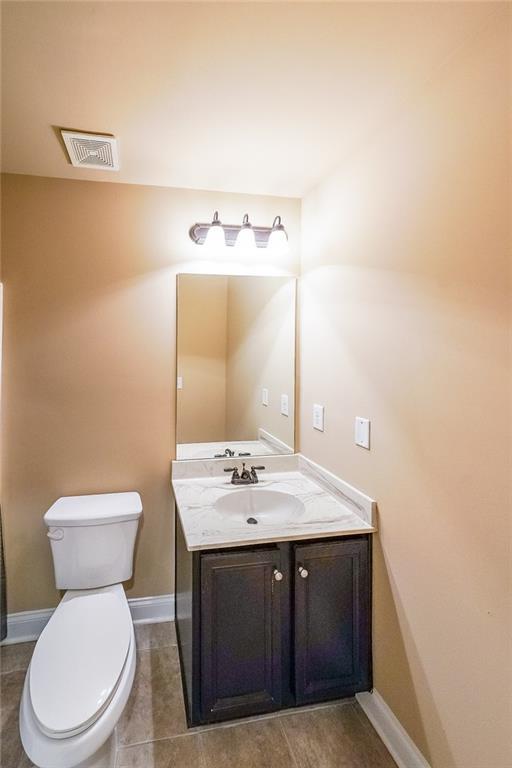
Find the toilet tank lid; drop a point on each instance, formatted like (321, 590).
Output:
(94, 509)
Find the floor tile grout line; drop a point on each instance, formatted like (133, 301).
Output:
(203, 755)
(289, 745)
(156, 741)
(241, 722)
(155, 648)
(13, 672)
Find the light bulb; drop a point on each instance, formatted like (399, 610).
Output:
(277, 243)
(215, 239)
(245, 241)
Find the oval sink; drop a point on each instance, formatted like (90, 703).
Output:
(261, 506)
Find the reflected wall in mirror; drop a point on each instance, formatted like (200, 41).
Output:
(235, 350)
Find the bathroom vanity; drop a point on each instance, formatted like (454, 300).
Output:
(276, 613)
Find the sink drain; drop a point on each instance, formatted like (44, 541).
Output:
(252, 521)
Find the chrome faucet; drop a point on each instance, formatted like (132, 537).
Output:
(245, 477)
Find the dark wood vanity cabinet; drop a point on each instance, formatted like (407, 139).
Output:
(240, 633)
(331, 619)
(272, 626)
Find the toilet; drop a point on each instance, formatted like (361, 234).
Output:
(82, 668)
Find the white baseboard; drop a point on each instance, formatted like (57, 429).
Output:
(148, 610)
(25, 626)
(402, 748)
(28, 625)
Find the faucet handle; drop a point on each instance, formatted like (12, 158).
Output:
(258, 468)
(235, 477)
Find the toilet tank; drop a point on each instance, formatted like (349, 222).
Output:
(92, 538)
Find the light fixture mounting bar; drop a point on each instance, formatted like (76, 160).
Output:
(199, 231)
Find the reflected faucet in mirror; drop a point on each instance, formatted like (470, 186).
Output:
(228, 454)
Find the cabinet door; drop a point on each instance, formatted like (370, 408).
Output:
(240, 634)
(332, 619)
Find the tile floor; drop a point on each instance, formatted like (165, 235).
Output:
(152, 732)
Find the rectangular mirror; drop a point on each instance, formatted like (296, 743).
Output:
(235, 366)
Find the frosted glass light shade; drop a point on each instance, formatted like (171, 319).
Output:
(245, 241)
(215, 239)
(277, 242)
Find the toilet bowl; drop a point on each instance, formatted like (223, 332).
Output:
(82, 668)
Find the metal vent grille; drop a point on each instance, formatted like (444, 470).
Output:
(91, 150)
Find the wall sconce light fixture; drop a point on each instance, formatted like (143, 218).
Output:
(245, 236)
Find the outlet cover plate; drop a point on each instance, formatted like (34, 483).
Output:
(362, 432)
(318, 417)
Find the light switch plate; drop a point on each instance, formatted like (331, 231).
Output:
(264, 396)
(318, 417)
(179, 382)
(284, 405)
(362, 432)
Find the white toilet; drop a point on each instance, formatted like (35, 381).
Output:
(82, 668)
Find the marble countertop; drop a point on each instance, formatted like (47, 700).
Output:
(331, 507)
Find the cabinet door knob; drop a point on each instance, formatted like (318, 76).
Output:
(303, 572)
(278, 576)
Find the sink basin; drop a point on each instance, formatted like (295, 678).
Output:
(259, 506)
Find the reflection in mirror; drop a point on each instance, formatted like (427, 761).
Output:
(235, 366)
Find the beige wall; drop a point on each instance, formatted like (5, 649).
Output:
(261, 353)
(406, 320)
(89, 354)
(201, 358)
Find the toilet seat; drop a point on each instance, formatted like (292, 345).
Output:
(79, 660)
(67, 750)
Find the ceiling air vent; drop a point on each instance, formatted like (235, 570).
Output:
(91, 150)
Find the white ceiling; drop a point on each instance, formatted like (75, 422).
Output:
(238, 97)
